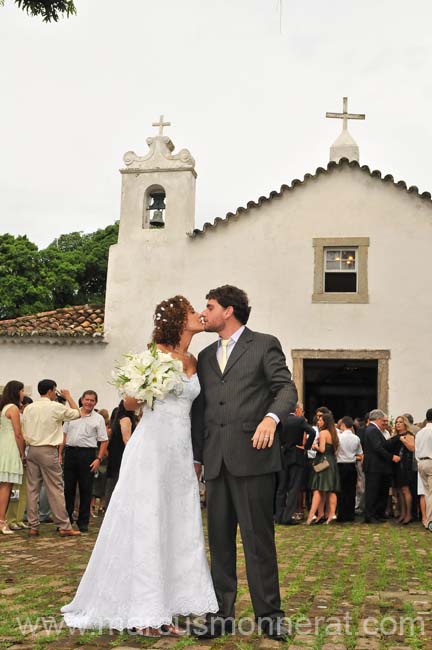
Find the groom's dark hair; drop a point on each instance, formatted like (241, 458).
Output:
(229, 296)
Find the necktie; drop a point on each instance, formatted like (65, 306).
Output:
(223, 357)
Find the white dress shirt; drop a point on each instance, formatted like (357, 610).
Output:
(42, 422)
(311, 453)
(232, 341)
(86, 432)
(349, 447)
(423, 442)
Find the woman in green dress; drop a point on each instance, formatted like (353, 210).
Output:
(12, 446)
(327, 481)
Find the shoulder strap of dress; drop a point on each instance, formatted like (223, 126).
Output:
(6, 408)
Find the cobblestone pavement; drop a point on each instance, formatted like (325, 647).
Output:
(353, 587)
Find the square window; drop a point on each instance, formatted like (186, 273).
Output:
(341, 269)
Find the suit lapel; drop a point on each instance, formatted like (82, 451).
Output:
(212, 355)
(239, 349)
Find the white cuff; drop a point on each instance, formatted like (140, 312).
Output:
(273, 417)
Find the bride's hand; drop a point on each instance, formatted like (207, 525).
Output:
(131, 404)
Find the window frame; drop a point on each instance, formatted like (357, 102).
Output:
(320, 245)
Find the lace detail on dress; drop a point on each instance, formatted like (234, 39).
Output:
(149, 562)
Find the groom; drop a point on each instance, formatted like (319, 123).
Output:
(246, 391)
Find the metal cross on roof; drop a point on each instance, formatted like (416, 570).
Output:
(345, 116)
(161, 124)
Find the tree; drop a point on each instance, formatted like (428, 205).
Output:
(49, 10)
(72, 270)
(89, 254)
(22, 290)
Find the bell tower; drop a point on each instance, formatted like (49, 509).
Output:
(158, 191)
(157, 212)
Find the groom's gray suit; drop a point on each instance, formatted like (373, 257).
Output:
(240, 480)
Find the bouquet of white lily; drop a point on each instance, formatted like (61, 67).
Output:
(148, 376)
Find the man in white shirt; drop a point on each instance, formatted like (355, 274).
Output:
(42, 429)
(349, 451)
(423, 454)
(82, 457)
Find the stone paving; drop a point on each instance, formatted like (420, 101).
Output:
(352, 587)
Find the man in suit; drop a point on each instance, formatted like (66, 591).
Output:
(377, 465)
(246, 395)
(293, 464)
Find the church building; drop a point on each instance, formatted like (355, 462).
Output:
(338, 266)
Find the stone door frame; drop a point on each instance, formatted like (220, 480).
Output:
(382, 356)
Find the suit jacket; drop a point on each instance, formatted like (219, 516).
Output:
(291, 435)
(231, 404)
(361, 434)
(378, 451)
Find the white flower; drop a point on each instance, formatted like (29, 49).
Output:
(147, 376)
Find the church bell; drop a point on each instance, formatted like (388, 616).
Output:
(157, 209)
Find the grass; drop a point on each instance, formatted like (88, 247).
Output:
(356, 570)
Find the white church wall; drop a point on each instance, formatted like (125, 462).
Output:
(267, 251)
(76, 367)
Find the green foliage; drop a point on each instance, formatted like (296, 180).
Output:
(87, 255)
(49, 10)
(22, 290)
(70, 271)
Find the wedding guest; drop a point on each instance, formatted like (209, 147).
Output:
(379, 454)
(387, 428)
(414, 428)
(361, 481)
(12, 447)
(42, 428)
(295, 433)
(423, 454)
(349, 452)
(311, 455)
(16, 509)
(82, 457)
(123, 425)
(422, 503)
(325, 482)
(44, 507)
(99, 478)
(406, 476)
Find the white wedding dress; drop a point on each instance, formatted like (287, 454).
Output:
(149, 562)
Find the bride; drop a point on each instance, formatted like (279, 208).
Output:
(149, 564)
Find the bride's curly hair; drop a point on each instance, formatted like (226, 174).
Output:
(170, 317)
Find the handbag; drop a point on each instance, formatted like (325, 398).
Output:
(320, 467)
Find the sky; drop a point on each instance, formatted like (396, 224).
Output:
(245, 89)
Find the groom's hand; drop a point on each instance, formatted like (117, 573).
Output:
(198, 469)
(264, 434)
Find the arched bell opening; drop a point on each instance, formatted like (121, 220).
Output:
(154, 208)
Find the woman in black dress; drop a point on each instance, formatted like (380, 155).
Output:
(123, 423)
(406, 475)
(326, 481)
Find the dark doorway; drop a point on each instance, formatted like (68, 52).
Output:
(345, 386)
